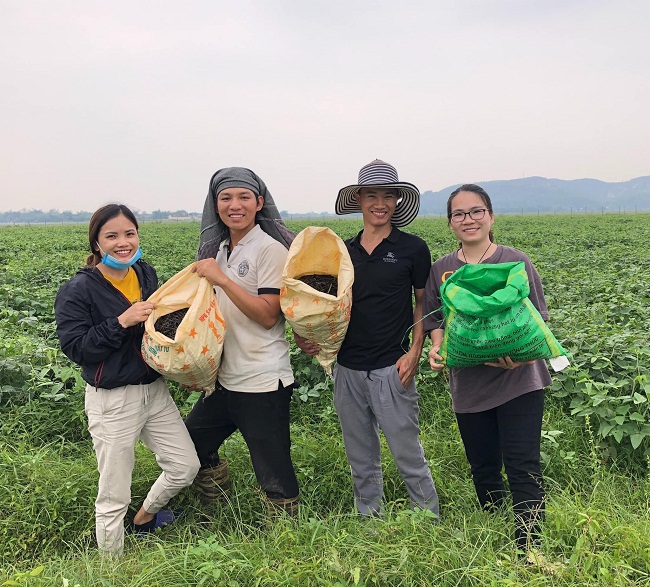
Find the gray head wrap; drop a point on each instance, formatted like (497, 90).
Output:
(213, 230)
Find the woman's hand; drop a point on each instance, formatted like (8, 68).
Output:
(436, 362)
(136, 314)
(507, 363)
(209, 269)
(311, 349)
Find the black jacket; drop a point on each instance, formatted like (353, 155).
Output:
(86, 310)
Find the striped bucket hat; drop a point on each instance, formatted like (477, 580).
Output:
(381, 175)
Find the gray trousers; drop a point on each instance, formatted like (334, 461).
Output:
(366, 401)
(117, 418)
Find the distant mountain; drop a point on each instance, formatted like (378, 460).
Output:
(528, 195)
(533, 194)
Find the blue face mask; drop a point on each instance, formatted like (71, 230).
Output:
(114, 263)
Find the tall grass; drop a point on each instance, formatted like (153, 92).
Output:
(597, 519)
(597, 528)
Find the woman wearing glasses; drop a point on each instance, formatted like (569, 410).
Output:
(498, 405)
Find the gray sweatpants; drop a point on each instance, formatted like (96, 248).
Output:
(116, 419)
(366, 401)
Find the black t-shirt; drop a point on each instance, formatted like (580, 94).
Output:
(382, 299)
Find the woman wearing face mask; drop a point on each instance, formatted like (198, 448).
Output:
(99, 316)
(498, 405)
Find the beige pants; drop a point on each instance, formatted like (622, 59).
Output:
(117, 418)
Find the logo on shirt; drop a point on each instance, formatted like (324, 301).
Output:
(243, 268)
(390, 258)
(446, 275)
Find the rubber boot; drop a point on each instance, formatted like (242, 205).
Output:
(280, 506)
(213, 483)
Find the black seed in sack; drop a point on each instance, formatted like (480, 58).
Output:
(328, 284)
(168, 324)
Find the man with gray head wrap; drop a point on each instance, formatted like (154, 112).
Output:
(242, 252)
(213, 229)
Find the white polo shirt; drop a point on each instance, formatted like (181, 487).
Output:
(254, 359)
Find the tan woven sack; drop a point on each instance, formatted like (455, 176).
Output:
(192, 358)
(319, 317)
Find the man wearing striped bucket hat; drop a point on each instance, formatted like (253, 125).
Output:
(374, 377)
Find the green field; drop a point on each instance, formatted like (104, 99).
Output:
(596, 440)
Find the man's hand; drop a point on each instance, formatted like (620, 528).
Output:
(309, 348)
(406, 366)
(209, 269)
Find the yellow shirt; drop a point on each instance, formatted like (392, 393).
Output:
(129, 286)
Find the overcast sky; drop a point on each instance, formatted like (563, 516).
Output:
(141, 102)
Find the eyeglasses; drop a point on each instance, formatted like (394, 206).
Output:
(474, 214)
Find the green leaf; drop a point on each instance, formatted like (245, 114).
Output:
(636, 440)
(605, 429)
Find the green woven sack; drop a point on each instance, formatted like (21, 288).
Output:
(488, 315)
